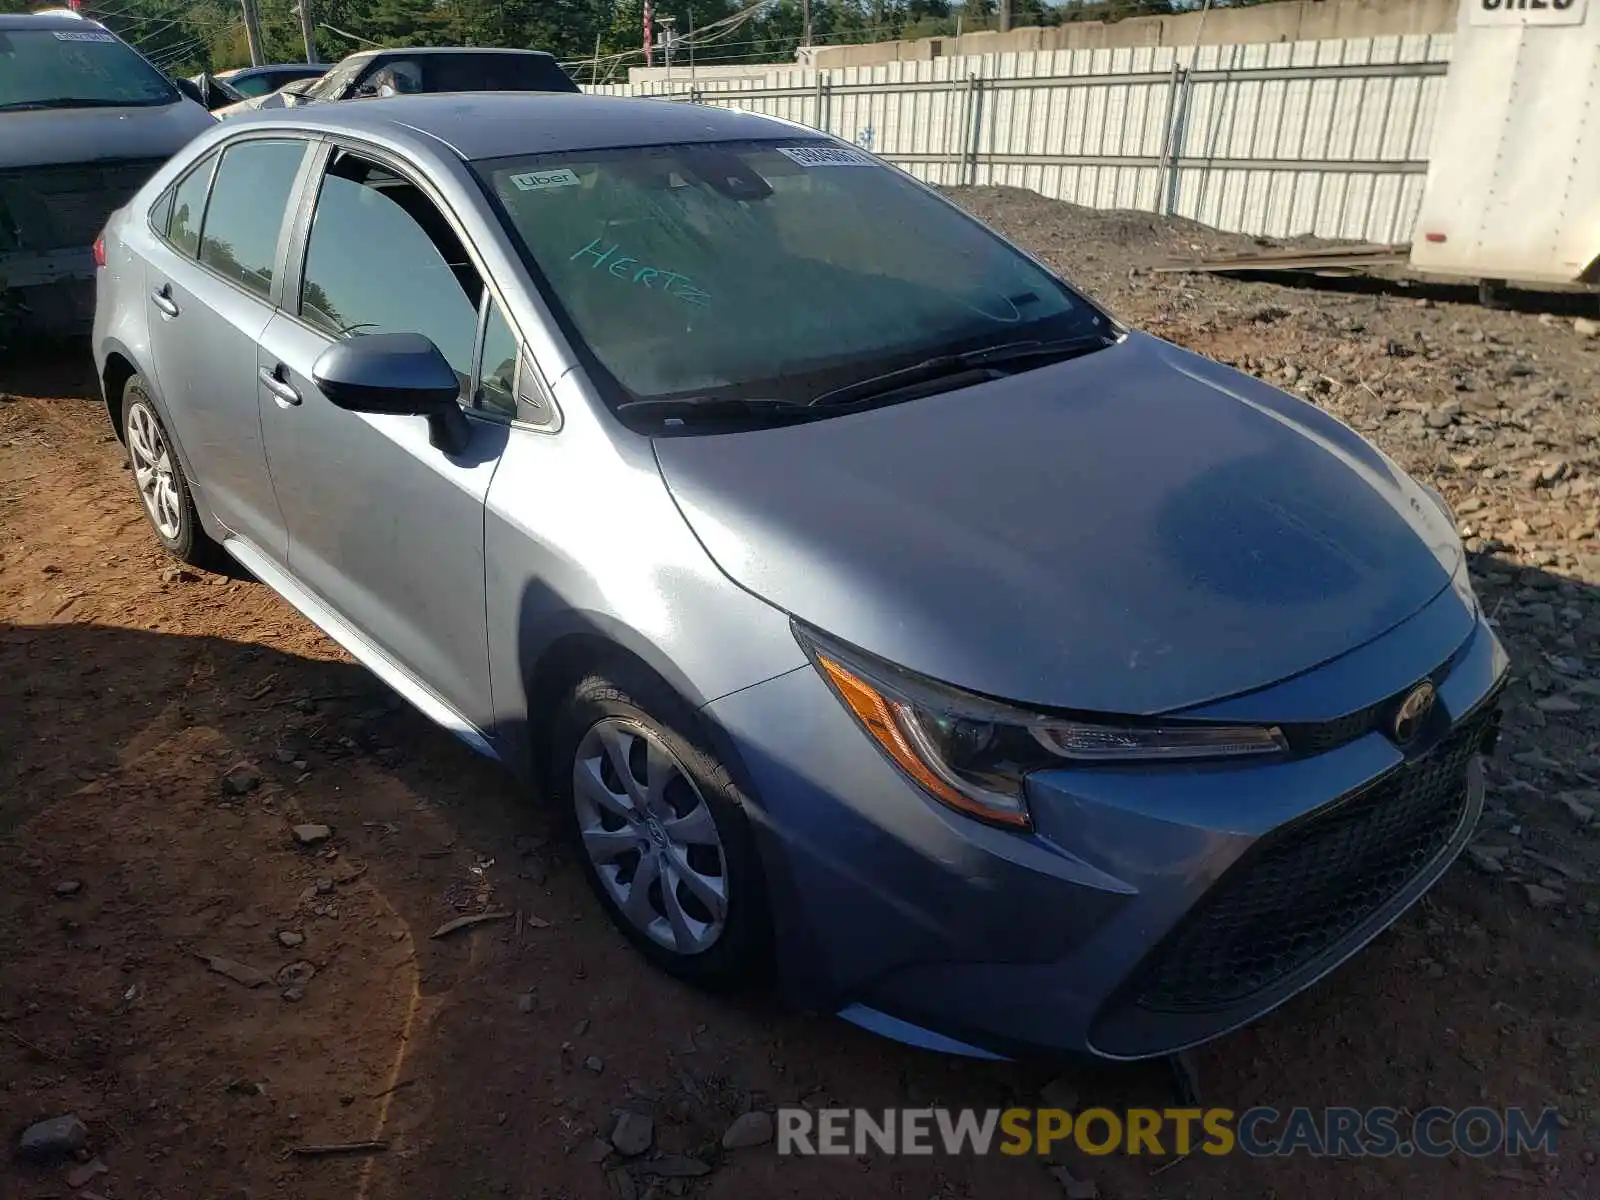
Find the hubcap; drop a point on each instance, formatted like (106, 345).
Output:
(152, 470)
(650, 836)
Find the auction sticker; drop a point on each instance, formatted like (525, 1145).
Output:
(84, 37)
(827, 156)
(539, 181)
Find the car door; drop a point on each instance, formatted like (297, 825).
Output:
(385, 529)
(211, 285)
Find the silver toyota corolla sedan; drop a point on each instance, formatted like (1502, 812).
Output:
(872, 603)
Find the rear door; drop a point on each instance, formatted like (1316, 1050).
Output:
(211, 288)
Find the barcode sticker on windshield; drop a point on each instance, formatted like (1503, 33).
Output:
(84, 37)
(826, 156)
(538, 181)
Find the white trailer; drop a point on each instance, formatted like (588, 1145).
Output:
(1513, 186)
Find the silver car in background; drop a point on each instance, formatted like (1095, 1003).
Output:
(868, 600)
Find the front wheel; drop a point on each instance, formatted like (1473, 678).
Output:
(660, 828)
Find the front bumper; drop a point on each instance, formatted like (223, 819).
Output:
(1151, 908)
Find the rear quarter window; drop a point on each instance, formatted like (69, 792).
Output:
(178, 218)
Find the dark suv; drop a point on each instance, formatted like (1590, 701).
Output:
(84, 121)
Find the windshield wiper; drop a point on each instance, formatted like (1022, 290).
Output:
(72, 102)
(708, 408)
(969, 362)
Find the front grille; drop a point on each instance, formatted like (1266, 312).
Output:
(1304, 890)
(65, 207)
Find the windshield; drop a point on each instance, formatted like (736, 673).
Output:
(773, 269)
(70, 68)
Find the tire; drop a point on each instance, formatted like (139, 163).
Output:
(626, 714)
(159, 483)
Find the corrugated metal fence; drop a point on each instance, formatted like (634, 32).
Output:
(1326, 137)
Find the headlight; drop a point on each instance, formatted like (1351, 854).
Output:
(974, 754)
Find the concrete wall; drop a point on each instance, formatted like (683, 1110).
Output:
(1297, 21)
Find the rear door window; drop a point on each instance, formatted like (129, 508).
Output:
(245, 215)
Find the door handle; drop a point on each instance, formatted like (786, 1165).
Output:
(284, 393)
(162, 297)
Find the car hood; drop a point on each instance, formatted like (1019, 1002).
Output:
(55, 136)
(1135, 531)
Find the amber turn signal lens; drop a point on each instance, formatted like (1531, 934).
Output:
(877, 717)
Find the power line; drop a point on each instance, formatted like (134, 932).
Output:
(352, 36)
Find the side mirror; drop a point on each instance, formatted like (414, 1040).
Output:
(400, 374)
(191, 89)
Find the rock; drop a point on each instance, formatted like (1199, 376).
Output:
(754, 1128)
(80, 1175)
(241, 779)
(1444, 416)
(294, 994)
(1579, 804)
(676, 1166)
(311, 835)
(594, 1151)
(1075, 1189)
(1488, 863)
(295, 974)
(57, 1138)
(525, 1002)
(594, 1064)
(634, 1134)
(178, 575)
(285, 756)
(323, 885)
(236, 971)
(1585, 328)
(289, 939)
(69, 887)
(1557, 705)
(1542, 897)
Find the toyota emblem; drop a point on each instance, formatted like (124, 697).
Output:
(1412, 714)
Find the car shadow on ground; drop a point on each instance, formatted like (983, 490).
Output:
(51, 369)
(163, 775)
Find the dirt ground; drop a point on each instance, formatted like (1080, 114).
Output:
(161, 733)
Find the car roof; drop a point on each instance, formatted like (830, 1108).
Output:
(410, 51)
(265, 68)
(48, 20)
(499, 124)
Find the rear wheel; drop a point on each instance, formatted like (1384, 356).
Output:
(660, 828)
(168, 503)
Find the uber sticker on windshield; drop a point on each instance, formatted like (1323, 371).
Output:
(538, 181)
(84, 37)
(826, 156)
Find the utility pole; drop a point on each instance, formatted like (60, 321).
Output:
(805, 13)
(304, 9)
(252, 32)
